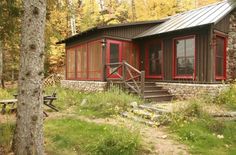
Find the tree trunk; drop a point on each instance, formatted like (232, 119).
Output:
(1, 64)
(28, 138)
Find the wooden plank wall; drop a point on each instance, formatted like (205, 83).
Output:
(203, 62)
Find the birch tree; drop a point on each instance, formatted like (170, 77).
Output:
(28, 138)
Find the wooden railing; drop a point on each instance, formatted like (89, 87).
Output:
(130, 76)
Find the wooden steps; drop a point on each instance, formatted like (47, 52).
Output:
(154, 93)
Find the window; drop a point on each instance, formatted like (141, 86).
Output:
(94, 60)
(82, 62)
(220, 57)
(71, 64)
(184, 51)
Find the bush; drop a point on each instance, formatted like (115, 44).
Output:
(227, 97)
(108, 103)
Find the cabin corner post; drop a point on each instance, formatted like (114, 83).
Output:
(211, 57)
(104, 48)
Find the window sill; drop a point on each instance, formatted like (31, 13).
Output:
(184, 77)
(220, 78)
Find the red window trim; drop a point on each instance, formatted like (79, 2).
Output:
(75, 47)
(175, 76)
(225, 37)
(147, 44)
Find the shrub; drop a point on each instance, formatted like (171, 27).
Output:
(6, 135)
(227, 97)
(4, 94)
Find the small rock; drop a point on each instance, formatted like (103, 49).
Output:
(164, 136)
(84, 102)
(220, 136)
(134, 104)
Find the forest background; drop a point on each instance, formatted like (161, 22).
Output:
(68, 17)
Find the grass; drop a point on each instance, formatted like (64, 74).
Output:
(204, 134)
(99, 104)
(6, 135)
(73, 136)
(69, 136)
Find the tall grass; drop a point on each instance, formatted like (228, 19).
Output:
(99, 104)
(227, 97)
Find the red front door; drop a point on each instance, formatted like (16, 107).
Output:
(154, 57)
(113, 56)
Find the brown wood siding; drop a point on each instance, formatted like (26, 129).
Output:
(127, 32)
(202, 45)
(223, 25)
(83, 39)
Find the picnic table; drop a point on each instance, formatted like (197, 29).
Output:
(47, 101)
(4, 104)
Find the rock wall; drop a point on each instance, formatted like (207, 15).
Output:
(185, 91)
(231, 53)
(85, 86)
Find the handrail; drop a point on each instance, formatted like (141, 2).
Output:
(135, 79)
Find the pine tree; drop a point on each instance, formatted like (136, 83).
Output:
(28, 137)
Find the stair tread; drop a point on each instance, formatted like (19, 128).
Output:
(156, 96)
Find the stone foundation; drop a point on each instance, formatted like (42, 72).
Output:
(186, 91)
(231, 52)
(85, 86)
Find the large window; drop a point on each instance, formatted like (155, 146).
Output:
(220, 57)
(84, 62)
(184, 52)
(71, 64)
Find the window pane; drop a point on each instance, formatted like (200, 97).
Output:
(190, 47)
(71, 64)
(189, 66)
(185, 51)
(180, 48)
(220, 51)
(180, 66)
(114, 53)
(219, 46)
(94, 60)
(220, 66)
(82, 61)
(155, 59)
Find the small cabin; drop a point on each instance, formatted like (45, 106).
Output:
(194, 47)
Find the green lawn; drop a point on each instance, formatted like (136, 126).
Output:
(69, 136)
(202, 133)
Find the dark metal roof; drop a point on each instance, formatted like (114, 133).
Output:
(210, 14)
(93, 29)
